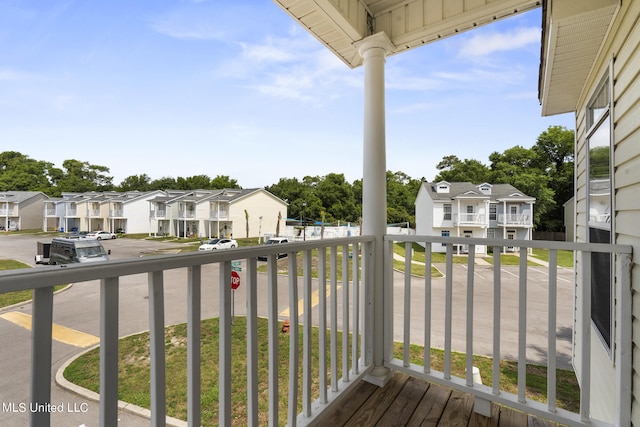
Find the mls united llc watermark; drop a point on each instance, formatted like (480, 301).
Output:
(22, 407)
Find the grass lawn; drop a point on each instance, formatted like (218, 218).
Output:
(565, 258)
(134, 374)
(509, 259)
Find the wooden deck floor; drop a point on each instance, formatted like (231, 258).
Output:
(407, 401)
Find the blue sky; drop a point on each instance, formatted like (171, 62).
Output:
(217, 87)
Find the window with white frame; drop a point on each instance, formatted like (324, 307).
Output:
(599, 206)
(493, 212)
(447, 212)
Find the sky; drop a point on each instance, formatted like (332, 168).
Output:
(177, 88)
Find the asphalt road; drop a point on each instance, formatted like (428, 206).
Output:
(78, 308)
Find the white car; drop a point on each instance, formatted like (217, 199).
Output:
(214, 244)
(100, 235)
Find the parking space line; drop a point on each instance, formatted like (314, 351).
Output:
(315, 300)
(59, 333)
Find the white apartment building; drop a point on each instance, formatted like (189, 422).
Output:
(463, 209)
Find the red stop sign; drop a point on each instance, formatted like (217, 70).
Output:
(235, 280)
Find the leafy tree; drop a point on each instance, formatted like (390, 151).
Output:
(196, 182)
(82, 176)
(135, 183)
(164, 183)
(452, 169)
(555, 156)
(19, 172)
(401, 195)
(222, 181)
(336, 196)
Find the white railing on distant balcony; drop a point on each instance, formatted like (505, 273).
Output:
(515, 219)
(8, 212)
(116, 213)
(71, 212)
(217, 216)
(456, 295)
(91, 213)
(343, 297)
(470, 219)
(157, 214)
(50, 212)
(186, 214)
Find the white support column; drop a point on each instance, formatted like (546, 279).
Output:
(373, 50)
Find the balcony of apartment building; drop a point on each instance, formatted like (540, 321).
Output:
(471, 219)
(371, 320)
(158, 211)
(524, 219)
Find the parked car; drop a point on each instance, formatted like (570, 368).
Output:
(214, 244)
(100, 235)
(275, 241)
(77, 235)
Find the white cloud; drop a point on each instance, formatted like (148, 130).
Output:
(486, 43)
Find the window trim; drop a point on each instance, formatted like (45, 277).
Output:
(593, 125)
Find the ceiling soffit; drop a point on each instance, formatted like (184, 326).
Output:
(338, 24)
(573, 35)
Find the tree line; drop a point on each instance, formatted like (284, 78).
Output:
(544, 171)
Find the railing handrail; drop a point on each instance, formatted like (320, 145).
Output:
(534, 244)
(22, 279)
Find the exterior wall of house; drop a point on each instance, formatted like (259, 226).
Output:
(136, 213)
(257, 204)
(424, 213)
(620, 52)
(31, 212)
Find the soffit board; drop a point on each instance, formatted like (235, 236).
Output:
(573, 36)
(339, 24)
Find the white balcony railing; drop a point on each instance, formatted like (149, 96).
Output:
(460, 295)
(218, 216)
(116, 213)
(515, 219)
(471, 219)
(160, 214)
(342, 305)
(186, 214)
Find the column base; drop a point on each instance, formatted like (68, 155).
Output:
(380, 376)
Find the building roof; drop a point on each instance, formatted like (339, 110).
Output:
(467, 190)
(19, 196)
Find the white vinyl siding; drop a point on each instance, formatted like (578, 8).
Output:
(622, 44)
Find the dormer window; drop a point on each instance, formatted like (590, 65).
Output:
(485, 188)
(442, 187)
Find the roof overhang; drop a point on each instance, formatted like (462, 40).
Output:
(340, 24)
(573, 32)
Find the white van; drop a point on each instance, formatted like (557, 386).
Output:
(68, 251)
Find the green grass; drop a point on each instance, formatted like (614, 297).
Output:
(10, 298)
(134, 376)
(565, 258)
(508, 259)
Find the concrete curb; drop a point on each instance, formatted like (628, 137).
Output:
(63, 383)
